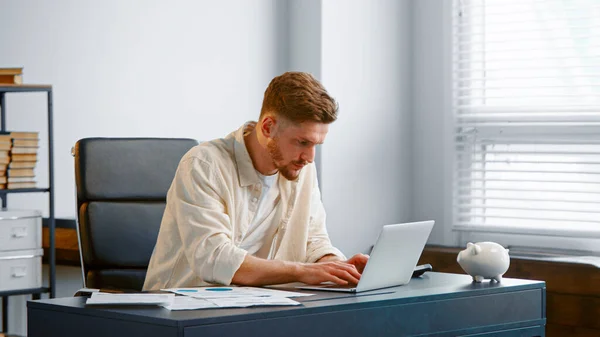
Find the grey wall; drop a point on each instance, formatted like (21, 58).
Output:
(430, 133)
(366, 157)
(305, 29)
(304, 53)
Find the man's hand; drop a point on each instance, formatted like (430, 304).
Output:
(258, 272)
(338, 272)
(359, 261)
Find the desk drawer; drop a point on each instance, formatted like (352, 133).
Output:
(20, 269)
(20, 230)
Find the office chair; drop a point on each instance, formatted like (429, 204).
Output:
(121, 187)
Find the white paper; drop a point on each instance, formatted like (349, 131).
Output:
(233, 292)
(190, 303)
(131, 299)
(243, 302)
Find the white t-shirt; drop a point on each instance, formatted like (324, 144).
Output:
(259, 237)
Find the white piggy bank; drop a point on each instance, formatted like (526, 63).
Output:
(484, 260)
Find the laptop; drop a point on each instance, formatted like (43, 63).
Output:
(392, 261)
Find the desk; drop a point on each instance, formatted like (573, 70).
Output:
(436, 304)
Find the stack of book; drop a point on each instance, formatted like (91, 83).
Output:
(5, 145)
(20, 172)
(11, 76)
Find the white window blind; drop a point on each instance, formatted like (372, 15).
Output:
(526, 103)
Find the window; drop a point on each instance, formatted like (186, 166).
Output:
(526, 103)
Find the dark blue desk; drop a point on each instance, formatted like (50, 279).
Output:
(436, 304)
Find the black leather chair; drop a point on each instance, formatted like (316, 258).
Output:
(121, 193)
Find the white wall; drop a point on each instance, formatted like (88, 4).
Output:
(366, 157)
(199, 69)
(193, 69)
(137, 68)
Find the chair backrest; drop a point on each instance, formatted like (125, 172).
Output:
(122, 185)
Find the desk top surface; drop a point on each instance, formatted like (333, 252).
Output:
(429, 287)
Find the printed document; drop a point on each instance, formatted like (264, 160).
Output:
(233, 292)
(130, 299)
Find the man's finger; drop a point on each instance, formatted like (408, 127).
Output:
(351, 269)
(336, 280)
(346, 276)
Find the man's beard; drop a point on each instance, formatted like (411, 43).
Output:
(277, 157)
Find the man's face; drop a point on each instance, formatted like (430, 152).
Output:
(293, 146)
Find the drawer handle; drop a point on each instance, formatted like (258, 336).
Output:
(20, 272)
(19, 232)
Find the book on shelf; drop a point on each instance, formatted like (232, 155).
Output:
(28, 184)
(23, 150)
(21, 164)
(3, 180)
(24, 142)
(24, 134)
(19, 158)
(11, 71)
(11, 79)
(5, 145)
(11, 76)
(11, 136)
(20, 172)
(23, 157)
(20, 179)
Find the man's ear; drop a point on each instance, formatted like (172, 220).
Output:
(268, 126)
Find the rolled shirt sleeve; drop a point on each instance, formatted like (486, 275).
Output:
(202, 222)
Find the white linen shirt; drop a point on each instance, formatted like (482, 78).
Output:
(210, 204)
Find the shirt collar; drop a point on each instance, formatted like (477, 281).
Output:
(246, 172)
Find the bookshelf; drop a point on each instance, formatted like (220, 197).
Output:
(51, 289)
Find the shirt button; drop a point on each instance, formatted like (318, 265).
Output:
(255, 199)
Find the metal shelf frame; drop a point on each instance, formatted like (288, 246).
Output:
(51, 290)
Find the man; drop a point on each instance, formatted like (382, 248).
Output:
(246, 209)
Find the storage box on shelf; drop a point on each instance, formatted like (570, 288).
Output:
(20, 249)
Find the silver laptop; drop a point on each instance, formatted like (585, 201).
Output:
(393, 258)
